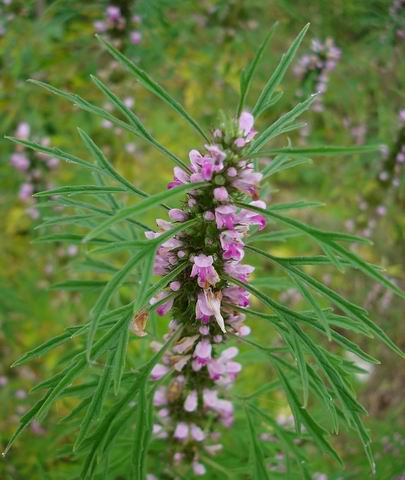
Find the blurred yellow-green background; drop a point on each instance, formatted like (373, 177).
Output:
(196, 49)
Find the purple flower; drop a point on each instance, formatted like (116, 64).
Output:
(191, 402)
(136, 37)
(177, 215)
(158, 371)
(181, 432)
(202, 351)
(248, 217)
(199, 469)
(237, 295)
(209, 304)
(26, 191)
(239, 271)
(185, 344)
(225, 217)
(164, 307)
(180, 177)
(197, 434)
(20, 161)
(204, 270)
(113, 12)
(221, 194)
(232, 245)
(23, 131)
(247, 181)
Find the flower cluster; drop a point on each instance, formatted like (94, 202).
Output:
(117, 23)
(206, 298)
(374, 206)
(34, 166)
(397, 16)
(314, 69)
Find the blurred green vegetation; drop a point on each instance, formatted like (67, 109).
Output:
(196, 49)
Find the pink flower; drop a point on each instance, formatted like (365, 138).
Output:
(136, 37)
(203, 351)
(158, 371)
(26, 191)
(181, 432)
(246, 122)
(177, 215)
(175, 286)
(160, 397)
(191, 402)
(221, 194)
(232, 245)
(238, 271)
(209, 216)
(204, 270)
(199, 469)
(196, 432)
(113, 12)
(247, 181)
(209, 304)
(237, 295)
(180, 177)
(185, 344)
(248, 217)
(23, 130)
(165, 307)
(225, 217)
(20, 161)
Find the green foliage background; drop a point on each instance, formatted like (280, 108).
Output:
(196, 50)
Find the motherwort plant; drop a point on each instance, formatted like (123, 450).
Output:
(182, 396)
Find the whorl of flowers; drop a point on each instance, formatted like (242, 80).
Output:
(314, 69)
(117, 23)
(397, 14)
(202, 299)
(34, 166)
(374, 206)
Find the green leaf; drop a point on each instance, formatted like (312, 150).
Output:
(248, 72)
(258, 460)
(79, 189)
(301, 363)
(145, 80)
(278, 74)
(145, 280)
(85, 105)
(276, 167)
(274, 283)
(142, 206)
(295, 205)
(65, 220)
(124, 245)
(279, 236)
(322, 150)
(289, 445)
(108, 291)
(105, 433)
(97, 400)
(105, 165)
(119, 359)
(54, 152)
(43, 348)
(136, 123)
(78, 285)
(68, 237)
(313, 303)
(275, 128)
(143, 432)
(317, 432)
(25, 420)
